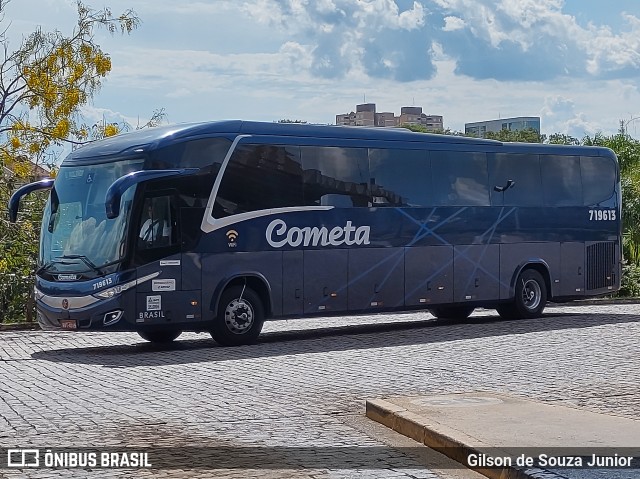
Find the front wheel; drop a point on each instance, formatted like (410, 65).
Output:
(452, 312)
(160, 337)
(240, 317)
(530, 299)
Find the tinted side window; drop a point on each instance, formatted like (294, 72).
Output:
(335, 176)
(400, 177)
(260, 177)
(598, 178)
(157, 232)
(561, 181)
(157, 223)
(460, 178)
(523, 171)
(191, 154)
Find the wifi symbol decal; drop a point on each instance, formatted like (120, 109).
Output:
(232, 235)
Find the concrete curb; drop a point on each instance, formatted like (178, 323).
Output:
(440, 438)
(596, 302)
(19, 327)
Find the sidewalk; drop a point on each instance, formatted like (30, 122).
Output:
(489, 432)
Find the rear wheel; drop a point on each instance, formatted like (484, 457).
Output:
(452, 312)
(159, 337)
(530, 299)
(240, 317)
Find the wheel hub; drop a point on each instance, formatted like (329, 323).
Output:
(531, 294)
(238, 316)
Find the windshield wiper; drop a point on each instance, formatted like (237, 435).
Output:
(84, 259)
(45, 267)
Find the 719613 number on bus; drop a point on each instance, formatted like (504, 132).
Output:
(602, 215)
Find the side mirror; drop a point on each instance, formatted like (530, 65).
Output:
(118, 187)
(14, 201)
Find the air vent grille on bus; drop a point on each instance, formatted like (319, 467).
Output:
(601, 260)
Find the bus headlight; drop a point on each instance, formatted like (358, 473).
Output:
(115, 291)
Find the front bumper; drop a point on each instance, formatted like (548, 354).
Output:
(107, 314)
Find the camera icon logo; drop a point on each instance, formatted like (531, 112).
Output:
(23, 458)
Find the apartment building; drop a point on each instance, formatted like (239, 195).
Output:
(481, 128)
(366, 115)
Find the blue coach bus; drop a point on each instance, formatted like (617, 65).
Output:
(219, 226)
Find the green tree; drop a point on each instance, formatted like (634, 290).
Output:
(18, 252)
(562, 139)
(528, 135)
(424, 129)
(43, 84)
(48, 78)
(414, 127)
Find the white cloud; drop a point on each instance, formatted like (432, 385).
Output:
(541, 24)
(557, 106)
(451, 24)
(299, 55)
(467, 60)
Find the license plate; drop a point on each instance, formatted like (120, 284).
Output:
(68, 324)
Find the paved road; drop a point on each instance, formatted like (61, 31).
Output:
(305, 383)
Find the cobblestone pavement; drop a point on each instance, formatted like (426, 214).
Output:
(304, 384)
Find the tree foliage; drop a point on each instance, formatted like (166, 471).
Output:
(44, 83)
(18, 252)
(528, 135)
(423, 129)
(562, 139)
(48, 78)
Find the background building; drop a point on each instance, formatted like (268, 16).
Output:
(366, 115)
(481, 128)
(29, 168)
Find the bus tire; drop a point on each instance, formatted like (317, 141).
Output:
(530, 299)
(160, 337)
(240, 317)
(452, 312)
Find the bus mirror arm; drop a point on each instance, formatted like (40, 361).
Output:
(122, 184)
(14, 201)
(502, 189)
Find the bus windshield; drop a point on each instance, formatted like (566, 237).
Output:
(76, 234)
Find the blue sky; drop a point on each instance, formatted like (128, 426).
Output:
(574, 63)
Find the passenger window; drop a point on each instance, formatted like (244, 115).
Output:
(599, 178)
(561, 182)
(460, 178)
(400, 177)
(260, 177)
(335, 176)
(523, 171)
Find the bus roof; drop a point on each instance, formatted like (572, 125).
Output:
(152, 138)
